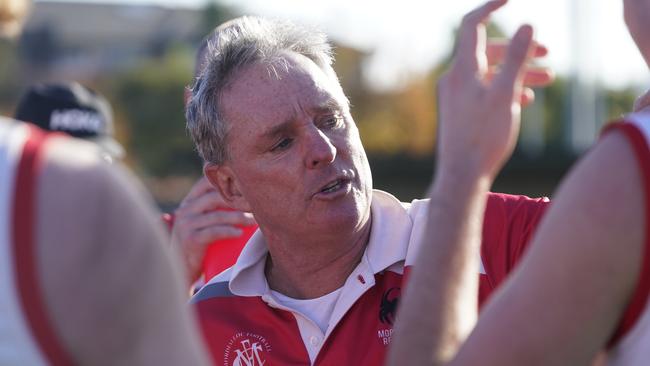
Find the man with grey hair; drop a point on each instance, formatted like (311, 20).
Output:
(320, 280)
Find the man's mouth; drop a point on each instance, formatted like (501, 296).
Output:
(333, 186)
(340, 185)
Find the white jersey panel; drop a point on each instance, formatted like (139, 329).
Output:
(17, 345)
(634, 347)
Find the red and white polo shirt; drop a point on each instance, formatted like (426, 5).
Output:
(245, 324)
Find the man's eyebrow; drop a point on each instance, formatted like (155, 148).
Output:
(330, 104)
(277, 129)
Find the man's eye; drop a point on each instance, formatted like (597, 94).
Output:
(283, 144)
(332, 121)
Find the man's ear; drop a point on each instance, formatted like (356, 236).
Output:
(224, 179)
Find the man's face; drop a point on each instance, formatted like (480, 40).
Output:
(296, 159)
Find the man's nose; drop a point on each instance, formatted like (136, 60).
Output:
(320, 150)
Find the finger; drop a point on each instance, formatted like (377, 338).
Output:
(538, 76)
(533, 76)
(496, 50)
(208, 201)
(217, 218)
(470, 36)
(527, 97)
(210, 234)
(201, 186)
(510, 77)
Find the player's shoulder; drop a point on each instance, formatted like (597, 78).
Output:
(77, 185)
(66, 154)
(81, 166)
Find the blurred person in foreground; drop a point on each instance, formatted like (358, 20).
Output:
(319, 281)
(74, 234)
(581, 292)
(78, 111)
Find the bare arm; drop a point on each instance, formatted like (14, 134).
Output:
(112, 286)
(444, 282)
(436, 315)
(563, 302)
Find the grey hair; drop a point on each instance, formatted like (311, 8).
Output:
(234, 46)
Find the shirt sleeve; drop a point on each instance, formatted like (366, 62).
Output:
(508, 226)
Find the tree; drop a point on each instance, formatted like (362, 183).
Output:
(151, 98)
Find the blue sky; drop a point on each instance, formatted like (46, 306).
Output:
(409, 36)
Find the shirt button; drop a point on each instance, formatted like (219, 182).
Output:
(313, 340)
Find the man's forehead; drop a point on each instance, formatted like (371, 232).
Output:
(272, 90)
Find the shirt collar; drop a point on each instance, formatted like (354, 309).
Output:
(388, 244)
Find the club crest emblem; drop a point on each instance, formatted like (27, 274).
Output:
(246, 349)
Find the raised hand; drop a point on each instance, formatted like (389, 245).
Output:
(479, 110)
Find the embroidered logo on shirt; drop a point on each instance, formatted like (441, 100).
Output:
(388, 306)
(246, 349)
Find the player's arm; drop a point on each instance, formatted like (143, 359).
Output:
(440, 302)
(112, 286)
(562, 304)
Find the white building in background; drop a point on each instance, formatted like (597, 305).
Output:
(76, 38)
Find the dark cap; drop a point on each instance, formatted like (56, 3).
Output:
(71, 108)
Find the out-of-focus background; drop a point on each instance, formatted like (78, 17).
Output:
(140, 54)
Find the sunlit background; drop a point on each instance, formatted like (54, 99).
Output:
(139, 54)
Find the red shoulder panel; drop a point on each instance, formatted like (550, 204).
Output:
(24, 229)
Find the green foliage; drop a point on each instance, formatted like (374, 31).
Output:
(150, 96)
(619, 102)
(402, 122)
(556, 111)
(10, 75)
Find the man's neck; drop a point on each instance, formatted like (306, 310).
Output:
(308, 271)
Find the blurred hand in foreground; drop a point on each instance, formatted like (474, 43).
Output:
(198, 222)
